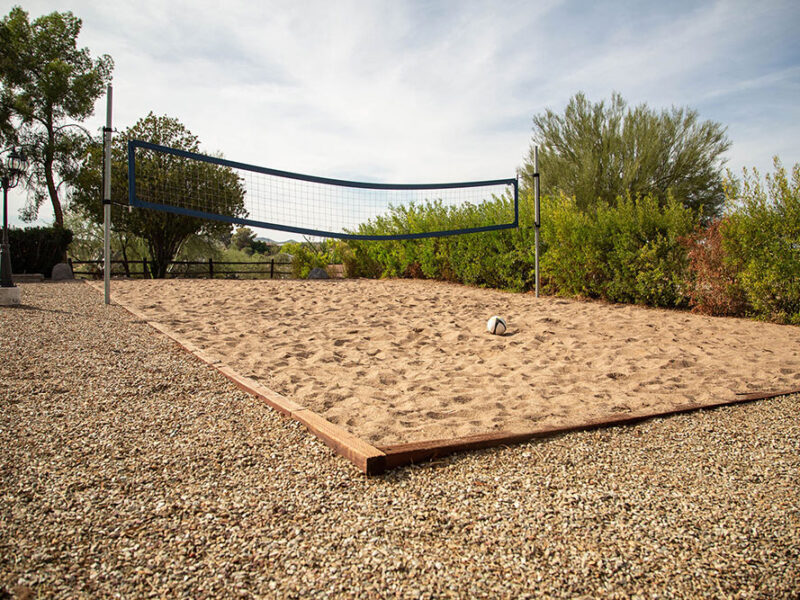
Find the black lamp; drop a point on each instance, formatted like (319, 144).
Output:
(14, 169)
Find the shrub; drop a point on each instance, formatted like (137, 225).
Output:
(500, 259)
(636, 250)
(761, 237)
(713, 286)
(628, 252)
(308, 255)
(38, 249)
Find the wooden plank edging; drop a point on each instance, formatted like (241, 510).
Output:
(373, 460)
(404, 454)
(366, 457)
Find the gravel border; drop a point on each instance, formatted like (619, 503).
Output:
(131, 469)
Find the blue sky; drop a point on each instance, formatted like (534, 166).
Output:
(436, 90)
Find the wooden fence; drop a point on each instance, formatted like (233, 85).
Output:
(271, 269)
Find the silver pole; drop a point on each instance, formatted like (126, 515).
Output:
(536, 210)
(107, 200)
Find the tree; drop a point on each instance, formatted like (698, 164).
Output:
(181, 181)
(49, 85)
(259, 247)
(243, 238)
(598, 152)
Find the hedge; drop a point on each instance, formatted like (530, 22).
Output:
(38, 249)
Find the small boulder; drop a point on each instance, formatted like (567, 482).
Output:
(318, 273)
(62, 272)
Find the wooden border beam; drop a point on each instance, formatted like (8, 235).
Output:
(373, 460)
(404, 454)
(367, 458)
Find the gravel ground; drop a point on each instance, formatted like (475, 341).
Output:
(130, 469)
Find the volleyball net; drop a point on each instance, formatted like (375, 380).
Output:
(209, 187)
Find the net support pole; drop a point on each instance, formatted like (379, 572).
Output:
(536, 212)
(107, 200)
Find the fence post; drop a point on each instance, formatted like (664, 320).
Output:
(144, 268)
(272, 268)
(211, 268)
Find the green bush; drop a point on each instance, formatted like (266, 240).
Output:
(761, 238)
(502, 259)
(38, 249)
(629, 252)
(309, 255)
(636, 250)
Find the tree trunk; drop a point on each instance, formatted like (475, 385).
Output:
(162, 252)
(125, 265)
(51, 187)
(49, 157)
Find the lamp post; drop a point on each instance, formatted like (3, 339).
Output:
(12, 171)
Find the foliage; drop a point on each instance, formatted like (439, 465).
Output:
(87, 238)
(87, 241)
(636, 250)
(713, 287)
(308, 255)
(48, 86)
(602, 151)
(499, 258)
(201, 247)
(37, 249)
(87, 245)
(627, 252)
(259, 247)
(252, 269)
(243, 237)
(761, 238)
(164, 233)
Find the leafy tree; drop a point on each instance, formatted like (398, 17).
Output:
(181, 181)
(259, 247)
(243, 238)
(87, 242)
(48, 85)
(602, 151)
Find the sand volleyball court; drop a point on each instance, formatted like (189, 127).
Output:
(401, 361)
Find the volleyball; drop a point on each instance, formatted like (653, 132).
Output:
(496, 325)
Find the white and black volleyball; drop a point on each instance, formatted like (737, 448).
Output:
(496, 325)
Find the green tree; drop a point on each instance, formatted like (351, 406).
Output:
(602, 151)
(179, 181)
(243, 238)
(259, 247)
(49, 86)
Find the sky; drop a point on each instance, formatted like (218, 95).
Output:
(439, 90)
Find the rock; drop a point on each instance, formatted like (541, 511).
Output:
(9, 296)
(318, 273)
(62, 272)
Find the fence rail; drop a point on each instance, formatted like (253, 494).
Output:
(210, 268)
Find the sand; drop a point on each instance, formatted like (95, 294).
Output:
(398, 361)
